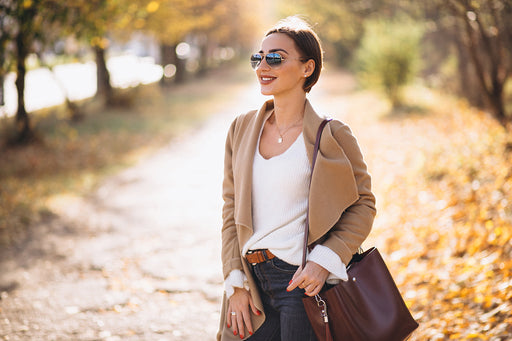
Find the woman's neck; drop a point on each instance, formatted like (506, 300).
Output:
(289, 109)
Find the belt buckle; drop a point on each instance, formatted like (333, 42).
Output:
(252, 252)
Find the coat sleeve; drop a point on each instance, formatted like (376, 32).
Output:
(355, 223)
(231, 259)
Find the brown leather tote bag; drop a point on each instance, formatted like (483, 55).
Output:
(368, 307)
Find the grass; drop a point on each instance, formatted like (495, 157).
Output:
(73, 157)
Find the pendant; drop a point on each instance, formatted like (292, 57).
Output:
(280, 140)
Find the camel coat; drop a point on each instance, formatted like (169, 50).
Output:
(342, 206)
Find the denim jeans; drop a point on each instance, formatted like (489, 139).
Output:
(286, 319)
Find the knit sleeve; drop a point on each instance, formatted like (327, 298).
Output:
(330, 261)
(236, 279)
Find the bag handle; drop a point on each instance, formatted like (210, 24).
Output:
(315, 153)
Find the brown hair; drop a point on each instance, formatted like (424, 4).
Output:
(306, 41)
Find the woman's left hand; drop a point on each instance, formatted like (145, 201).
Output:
(311, 279)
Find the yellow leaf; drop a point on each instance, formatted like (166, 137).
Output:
(479, 299)
(152, 6)
(475, 335)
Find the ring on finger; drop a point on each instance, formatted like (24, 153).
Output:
(233, 313)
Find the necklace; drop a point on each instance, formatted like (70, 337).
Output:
(281, 134)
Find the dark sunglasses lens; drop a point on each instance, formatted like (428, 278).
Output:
(256, 60)
(274, 59)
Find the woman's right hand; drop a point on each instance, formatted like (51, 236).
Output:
(239, 304)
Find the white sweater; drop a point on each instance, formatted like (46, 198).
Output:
(280, 188)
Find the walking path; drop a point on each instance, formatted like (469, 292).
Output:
(139, 259)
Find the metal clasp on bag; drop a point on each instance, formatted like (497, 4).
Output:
(323, 307)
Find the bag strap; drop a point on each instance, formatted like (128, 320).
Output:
(315, 153)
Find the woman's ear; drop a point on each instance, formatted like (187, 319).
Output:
(309, 68)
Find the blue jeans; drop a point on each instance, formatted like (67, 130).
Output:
(286, 319)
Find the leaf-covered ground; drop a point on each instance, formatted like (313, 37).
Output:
(442, 173)
(454, 256)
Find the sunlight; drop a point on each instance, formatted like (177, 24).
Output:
(78, 80)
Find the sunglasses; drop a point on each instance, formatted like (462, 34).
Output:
(272, 59)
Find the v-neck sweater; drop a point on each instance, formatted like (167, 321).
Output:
(279, 202)
(280, 189)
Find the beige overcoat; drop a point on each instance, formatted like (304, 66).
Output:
(342, 206)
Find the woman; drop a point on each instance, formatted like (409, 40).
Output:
(266, 190)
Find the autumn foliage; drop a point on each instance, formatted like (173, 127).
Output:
(448, 223)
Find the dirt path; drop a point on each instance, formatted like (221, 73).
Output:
(139, 259)
(136, 260)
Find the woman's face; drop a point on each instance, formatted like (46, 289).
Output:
(287, 77)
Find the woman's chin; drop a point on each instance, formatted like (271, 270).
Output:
(266, 91)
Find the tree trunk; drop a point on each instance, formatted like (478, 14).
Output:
(169, 56)
(205, 47)
(468, 85)
(487, 51)
(497, 103)
(180, 66)
(2, 90)
(24, 131)
(166, 59)
(104, 88)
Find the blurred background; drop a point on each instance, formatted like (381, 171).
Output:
(89, 87)
(460, 46)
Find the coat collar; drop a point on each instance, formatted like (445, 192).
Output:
(333, 187)
(310, 125)
(311, 122)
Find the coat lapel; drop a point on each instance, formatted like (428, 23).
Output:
(248, 143)
(333, 185)
(310, 127)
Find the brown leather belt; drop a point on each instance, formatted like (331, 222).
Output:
(259, 256)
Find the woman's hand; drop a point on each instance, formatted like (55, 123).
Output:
(311, 279)
(239, 304)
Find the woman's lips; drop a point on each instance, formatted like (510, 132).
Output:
(266, 79)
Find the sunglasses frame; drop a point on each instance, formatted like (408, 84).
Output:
(273, 59)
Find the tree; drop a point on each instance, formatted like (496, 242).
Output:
(29, 21)
(53, 33)
(92, 20)
(239, 31)
(5, 50)
(388, 55)
(23, 16)
(185, 17)
(482, 33)
(203, 22)
(339, 24)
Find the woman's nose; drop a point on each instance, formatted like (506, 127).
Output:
(263, 65)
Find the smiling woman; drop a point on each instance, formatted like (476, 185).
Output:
(267, 190)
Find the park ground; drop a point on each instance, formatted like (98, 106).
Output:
(136, 256)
